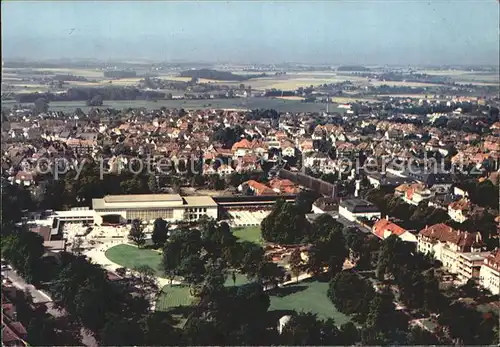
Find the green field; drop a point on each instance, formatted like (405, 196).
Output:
(251, 234)
(131, 257)
(304, 296)
(178, 295)
(307, 296)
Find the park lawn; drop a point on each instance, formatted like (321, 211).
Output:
(131, 257)
(307, 296)
(173, 297)
(251, 234)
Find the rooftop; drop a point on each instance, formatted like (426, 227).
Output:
(358, 205)
(143, 198)
(143, 201)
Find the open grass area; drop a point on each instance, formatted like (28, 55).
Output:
(307, 296)
(251, 234)
(176, 296)
(131, 257)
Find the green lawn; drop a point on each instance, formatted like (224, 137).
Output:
(175, 296)
(131, 257)
(251, 234)
(304, 296)
(308, 297)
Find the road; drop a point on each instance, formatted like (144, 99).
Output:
(40, 297)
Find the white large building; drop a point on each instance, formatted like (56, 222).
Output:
(489, 274)
(447, 245)
(170, 207)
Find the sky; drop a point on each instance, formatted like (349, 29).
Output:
(403, 32)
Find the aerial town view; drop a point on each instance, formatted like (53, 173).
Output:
(205, 173)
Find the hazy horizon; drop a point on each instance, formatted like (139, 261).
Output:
(334, 32)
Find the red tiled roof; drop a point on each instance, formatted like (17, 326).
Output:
(444, 233)
(493, 260)
(383, 225)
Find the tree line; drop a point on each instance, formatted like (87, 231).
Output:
(85, 94)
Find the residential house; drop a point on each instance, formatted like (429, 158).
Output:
(224, 170)
(284, 186)
(24, 178)
(459, 210)
(256, 187)
(383, 228)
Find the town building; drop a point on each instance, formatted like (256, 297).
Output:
(489, 274)
(459, 210)
(383, 228)
(170, 207)
(446, 244)
(353, 209)
(469, 265)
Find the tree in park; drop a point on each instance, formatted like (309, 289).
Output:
(323, 226)
(153, 184)
(158, 330)
(76, 247)
(285, 224)
(251, 259)
(349, 334)
(136, 233)
(23, 251)
(192, 268)
(329, 252)
(350, 294)
(270, 273)
(296, 264)
(214, 278)
(306, 329)
(218, 240)
(147, 278)
(160, 232)
(418, 336)
(120, 331)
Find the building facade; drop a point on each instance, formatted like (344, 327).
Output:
(353, 209)
(147, 207)
(489, 274)
(447, 244)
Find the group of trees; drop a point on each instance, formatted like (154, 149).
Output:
(191, 252)
(85, 94)
(218, 75)
(286, 224)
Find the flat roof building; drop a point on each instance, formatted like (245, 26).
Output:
(171, 207)
(352, 209)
